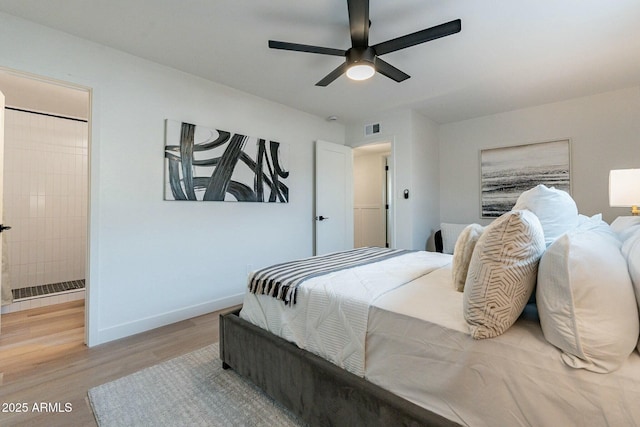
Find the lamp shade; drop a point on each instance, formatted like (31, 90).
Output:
(624, 187)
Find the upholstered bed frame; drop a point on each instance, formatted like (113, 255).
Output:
(319, 392)
(437, 240)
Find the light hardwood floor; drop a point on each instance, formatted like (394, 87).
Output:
(43, 359)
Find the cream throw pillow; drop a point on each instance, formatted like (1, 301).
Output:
(462, 254)
(586, 301)
(502, 273)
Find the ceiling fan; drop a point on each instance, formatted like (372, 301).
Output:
(362, 60)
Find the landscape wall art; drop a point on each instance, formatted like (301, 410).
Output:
(507, 172)
(206, 164)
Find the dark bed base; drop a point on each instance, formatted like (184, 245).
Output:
(319, 392)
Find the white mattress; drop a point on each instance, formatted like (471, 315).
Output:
(418, 347)
(331, 314)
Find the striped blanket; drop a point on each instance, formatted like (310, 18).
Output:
(281, 281)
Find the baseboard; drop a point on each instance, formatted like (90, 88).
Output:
(142, 325)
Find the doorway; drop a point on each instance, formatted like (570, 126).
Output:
(372, 195)
(45, 191)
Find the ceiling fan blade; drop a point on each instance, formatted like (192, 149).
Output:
(418, 37)
(333, 75)
(390, 71)
(359, 22)
(306, 48)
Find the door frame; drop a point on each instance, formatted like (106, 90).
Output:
(89, 335)
(391, 181)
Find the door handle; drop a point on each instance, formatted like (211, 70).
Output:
(321, 218)
(4, 227)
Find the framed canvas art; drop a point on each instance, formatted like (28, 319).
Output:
(508, 171)
(207, 164)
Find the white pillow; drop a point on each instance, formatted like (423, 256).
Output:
(625, 226)
(631, 252)
(583, 219)
(586, 301)
(462, 254)
(596, 224)
(450, 233)
(555, 209)
(502, 273)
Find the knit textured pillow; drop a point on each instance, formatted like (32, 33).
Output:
(462, 253)
(502, 273)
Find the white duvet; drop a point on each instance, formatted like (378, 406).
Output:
(331, 314)
(418, 346)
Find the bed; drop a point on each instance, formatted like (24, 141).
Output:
(419, 363)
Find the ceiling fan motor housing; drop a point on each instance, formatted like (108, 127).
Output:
(358, 55)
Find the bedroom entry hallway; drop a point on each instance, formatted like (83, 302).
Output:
(45, 191)
(372, 190)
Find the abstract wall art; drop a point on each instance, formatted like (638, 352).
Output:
(207, 164)
(506, 172)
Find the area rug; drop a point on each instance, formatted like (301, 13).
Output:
(191, 390)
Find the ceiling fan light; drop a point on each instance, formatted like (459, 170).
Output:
(360, 72)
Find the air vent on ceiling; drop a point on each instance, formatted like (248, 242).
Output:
(372, 129)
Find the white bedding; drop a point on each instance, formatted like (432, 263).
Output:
(331, 313)
(418, 347)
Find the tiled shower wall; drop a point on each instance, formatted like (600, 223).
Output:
(45, 198)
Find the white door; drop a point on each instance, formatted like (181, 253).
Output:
(1, 180)
(334, 198)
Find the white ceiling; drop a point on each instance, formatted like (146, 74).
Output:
(510, 54)
(32, 94)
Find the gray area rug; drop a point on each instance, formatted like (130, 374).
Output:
(191, 390)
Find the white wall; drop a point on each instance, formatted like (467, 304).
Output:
(605, 134)
(426, 178)
(153, 262)
(414, 168)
